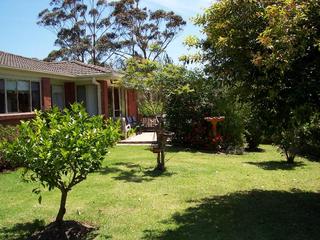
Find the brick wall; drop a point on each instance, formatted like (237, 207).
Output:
(132, 103)
(69, 93)
(46, 93)
(104, 98)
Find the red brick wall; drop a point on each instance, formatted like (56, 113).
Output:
(104, 98)
(69, 93)
(132, 103)
(46, 93)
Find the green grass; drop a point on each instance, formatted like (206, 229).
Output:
(201, 196)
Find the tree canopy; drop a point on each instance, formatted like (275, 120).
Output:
(58, 149)
(101, 31)
(268, 51)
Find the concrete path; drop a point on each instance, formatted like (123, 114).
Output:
(143, 138)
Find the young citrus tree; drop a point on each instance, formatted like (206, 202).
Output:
(58, 149)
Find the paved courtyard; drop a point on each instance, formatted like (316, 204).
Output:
(143, 138)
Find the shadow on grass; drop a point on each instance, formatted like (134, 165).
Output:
(21, 231)
(131, 172)
(176, 149)
(277, 165)
(256, 150)
(256, 215)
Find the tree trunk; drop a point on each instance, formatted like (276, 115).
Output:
(158, 159)
(290, 159)
(290, 156)
(62, 209)
(162, 161)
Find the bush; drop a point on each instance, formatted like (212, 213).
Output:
(288, 142)
(7, 134)
(150, 108)
(253, 130)
(59, 149)
(310, 137)
(186, 113)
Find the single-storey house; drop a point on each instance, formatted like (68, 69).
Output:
(27, 84)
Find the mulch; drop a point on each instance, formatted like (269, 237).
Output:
(67, 230)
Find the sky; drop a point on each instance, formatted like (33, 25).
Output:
(21, 35)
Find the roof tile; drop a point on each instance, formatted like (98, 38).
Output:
(72, 68)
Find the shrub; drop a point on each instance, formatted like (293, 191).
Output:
(59, 149)
(288, 142)
(7, 134)
(310, 137)
(253, 130)
(186, 113)
(299, 133)
(150, 108)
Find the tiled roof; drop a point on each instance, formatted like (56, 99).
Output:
(72, 68)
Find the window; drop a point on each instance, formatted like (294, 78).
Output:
(2, 97)
(35, 95)
(11, 87)
(19, 96)
(81, 95)
(58, 96)
(24, 101)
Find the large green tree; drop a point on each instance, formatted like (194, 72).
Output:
(268, 51)
(145, 33)
(83, 29)
(101, 31)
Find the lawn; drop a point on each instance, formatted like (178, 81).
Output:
(201, 196)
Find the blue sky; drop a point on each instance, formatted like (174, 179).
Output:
(21, 35)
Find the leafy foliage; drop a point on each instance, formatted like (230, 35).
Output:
(186, 113)
(7, 134)
(101, 31)
(267, 52)
(310, 136)
(150, 108)
(83, 28)
(142, 32)
(253, 128)
(155, 82)
(59, 149)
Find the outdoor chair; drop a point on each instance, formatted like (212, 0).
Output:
(133, 123)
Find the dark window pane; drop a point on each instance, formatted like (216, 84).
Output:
(11, 87)
(81, 95)
(24, 96)
(35, 91)
(2, 97)
(58, 96)
(110, 102)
